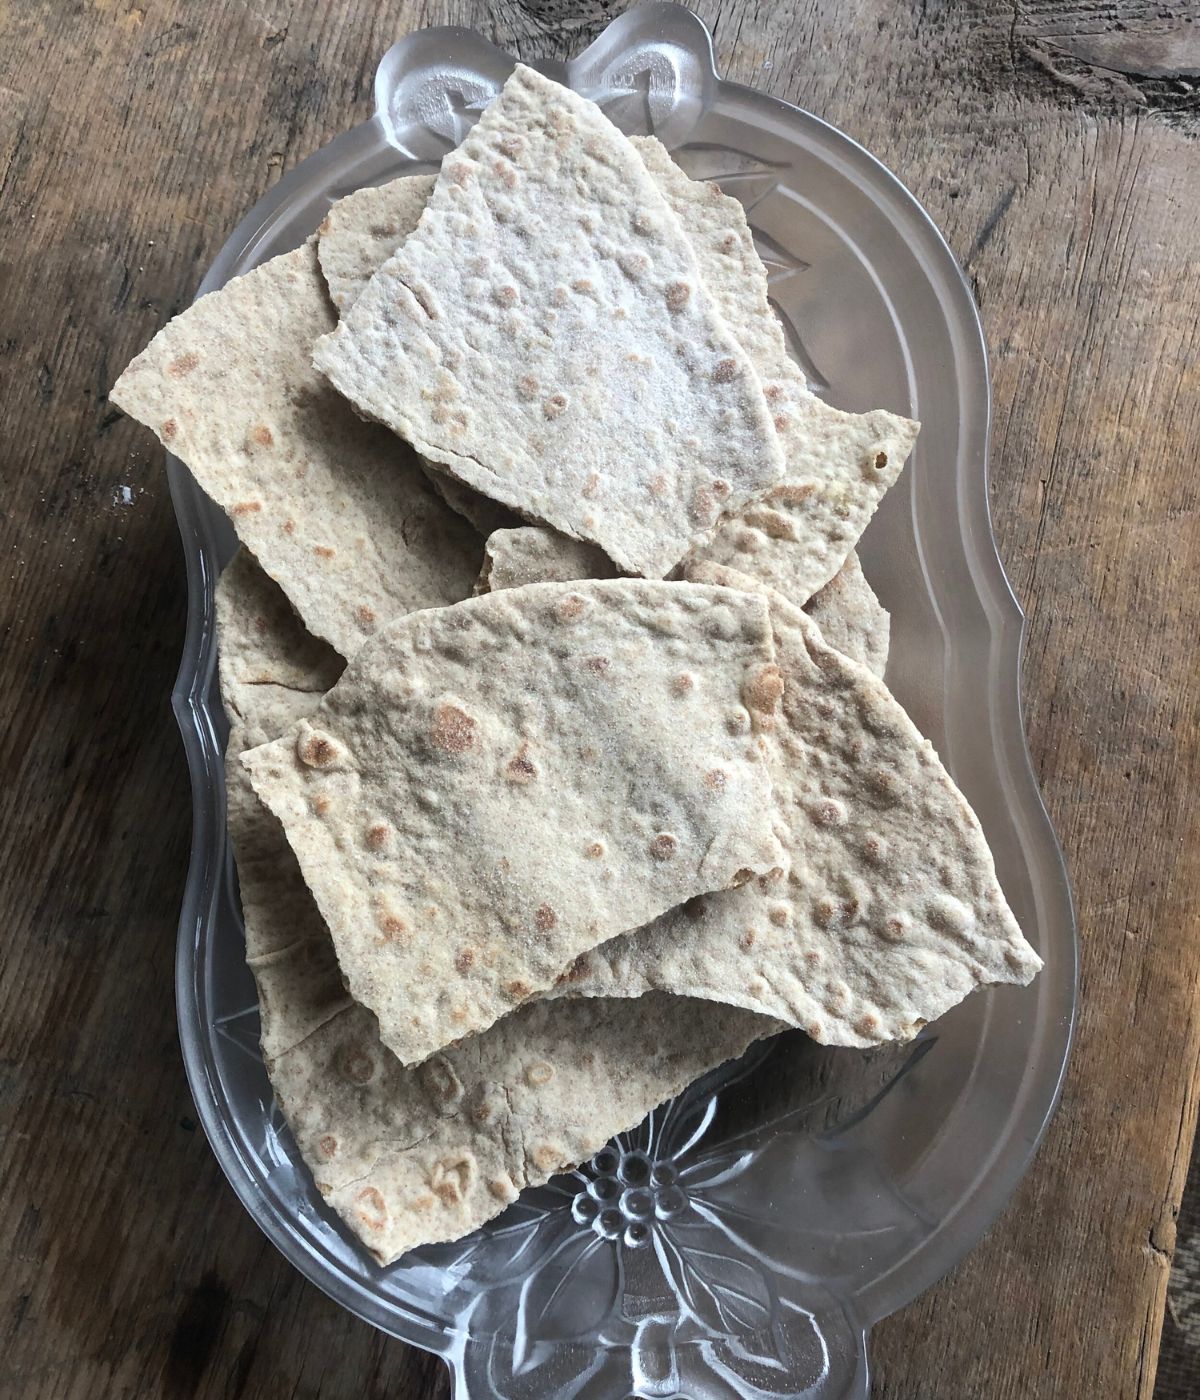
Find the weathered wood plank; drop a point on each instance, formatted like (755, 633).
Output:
(1058, 152)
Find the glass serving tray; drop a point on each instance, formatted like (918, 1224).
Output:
(744, 1239)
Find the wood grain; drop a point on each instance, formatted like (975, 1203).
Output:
(1056, 145)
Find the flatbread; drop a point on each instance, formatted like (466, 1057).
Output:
(410, 1157)
(538, 554)
(837, 465)
(493, 788)
(261, 640)
(358, 235)
(546, 336)
(363, 229)
(891, 912)
(336, 510)
(850, 616)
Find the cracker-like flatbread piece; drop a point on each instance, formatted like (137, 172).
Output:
(410, 1157)
(891, 912)
(546, 336)
(493, 788)
(538, 554)
(336, 510)
(837, 465)
(851, 618)
(363, 229)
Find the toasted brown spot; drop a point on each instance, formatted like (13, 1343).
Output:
(390, 923)
(677, 295)
(365, 616)
(595, 850)
(548, 1157)
(317, 751)
(507, 175)
(357, 1066)
(459, 173)
(371, 1209)
(503, 1188)
(793, 495)
(868, 1024)
(780, 915)
(746, 942)
(327, 1146)
(289, 527)
(577, 970)
(570, 607)
(554, 405)
(324, 551)
(453, 729)
(246, 508)
(441, 1084)
(815, 1030)
(582, 284)
(781, 421)
(591, 486)
(772, 523)
(183, 365)
(539, 1073)
(764, 689)
(521, 768)
(168, 430)
(773, 392)
(825, 911)
(721, 488)
(829, 813)
(519, 990)
(262, 435)
(729, 243)
(683, 683)
(881, 460)
(321, 804)
(527, 386)
(716, 780)
(505, 296)
(598, 665)
(659, 486)
(510, 146)
(664, 846)
(725, 372)
(545, 918)
(464, 960)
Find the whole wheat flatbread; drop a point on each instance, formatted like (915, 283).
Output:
(493, 788)
(336, 510)
(410, 1157)
(851, 618)
(546, 336)
(359, 234)
(538, 554)
(362, 230)
(837, 465)
(891, 912)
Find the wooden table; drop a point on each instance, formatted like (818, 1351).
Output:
(1056, 149)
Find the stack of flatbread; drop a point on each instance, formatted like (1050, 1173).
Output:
(561, 765)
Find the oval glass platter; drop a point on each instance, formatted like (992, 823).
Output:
(745, 1238)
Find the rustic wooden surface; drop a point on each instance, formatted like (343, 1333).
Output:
(1056, 145)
